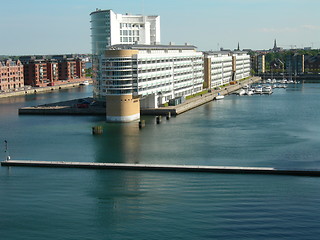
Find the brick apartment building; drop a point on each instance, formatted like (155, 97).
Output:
(40, 71)
(11, 75)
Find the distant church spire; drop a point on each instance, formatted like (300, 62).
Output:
(238, 47)
(275, 44)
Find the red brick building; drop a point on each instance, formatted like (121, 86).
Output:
(11, 75)
(40, 71)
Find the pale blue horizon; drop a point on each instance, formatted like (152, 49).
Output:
(57, 27)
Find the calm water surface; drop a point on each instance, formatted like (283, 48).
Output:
(281, 130)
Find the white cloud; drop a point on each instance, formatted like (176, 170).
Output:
(278, 30)
(310, 27)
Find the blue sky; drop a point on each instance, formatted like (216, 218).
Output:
(63, 26)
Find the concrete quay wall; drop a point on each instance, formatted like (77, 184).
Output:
(41, 89)
(61, 111)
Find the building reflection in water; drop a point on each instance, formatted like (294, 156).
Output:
(119, 143)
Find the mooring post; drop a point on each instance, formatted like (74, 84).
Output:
(97, 130)
(6, 150)
(158, 119)
(142, 124)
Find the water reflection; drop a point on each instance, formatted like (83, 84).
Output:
(119, 143)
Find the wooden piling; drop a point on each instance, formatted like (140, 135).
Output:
(97, 130)
(158, 119)
(142, 124)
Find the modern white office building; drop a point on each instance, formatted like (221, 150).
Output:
(146, 76)
(241, 65)
(223, 67)
(217, 68)
(109, 28)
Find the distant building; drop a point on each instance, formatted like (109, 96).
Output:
(294, 64)
(40, 71)
(312, 64)
(147, 76)
(261, 63)
(275, 47)
(109, 28)
(217, 68)
(11, 75)
(240, 65)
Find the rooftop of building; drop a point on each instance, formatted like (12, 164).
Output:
(152, 47)
(45, 58)
(224, 52)
(126, 14)
(9, 62)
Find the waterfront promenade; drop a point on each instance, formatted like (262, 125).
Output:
(36, 90)
(70, 108)
(198, 100)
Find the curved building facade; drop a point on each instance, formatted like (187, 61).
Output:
(109, 28)
(147, 76)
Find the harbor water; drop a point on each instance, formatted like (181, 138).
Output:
(279, 130)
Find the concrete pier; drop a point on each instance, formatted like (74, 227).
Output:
(162, 167)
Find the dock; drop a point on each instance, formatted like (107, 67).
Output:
(163, 167)
(68, 107)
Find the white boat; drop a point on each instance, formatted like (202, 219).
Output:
(84, 83)
(258, 90)
(219, 97)
(267, 90)
(241, 92)
(249, 91)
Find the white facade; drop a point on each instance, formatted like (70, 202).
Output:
(109, 28)
(221, 68)
(156, 73)
(242, 65)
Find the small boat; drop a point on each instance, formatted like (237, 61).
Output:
(84, 83)
(241, 92)
(258, 90)
(267, 90)
(219, 97)
(249, 91)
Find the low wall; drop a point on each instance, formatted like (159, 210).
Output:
(41, 89)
